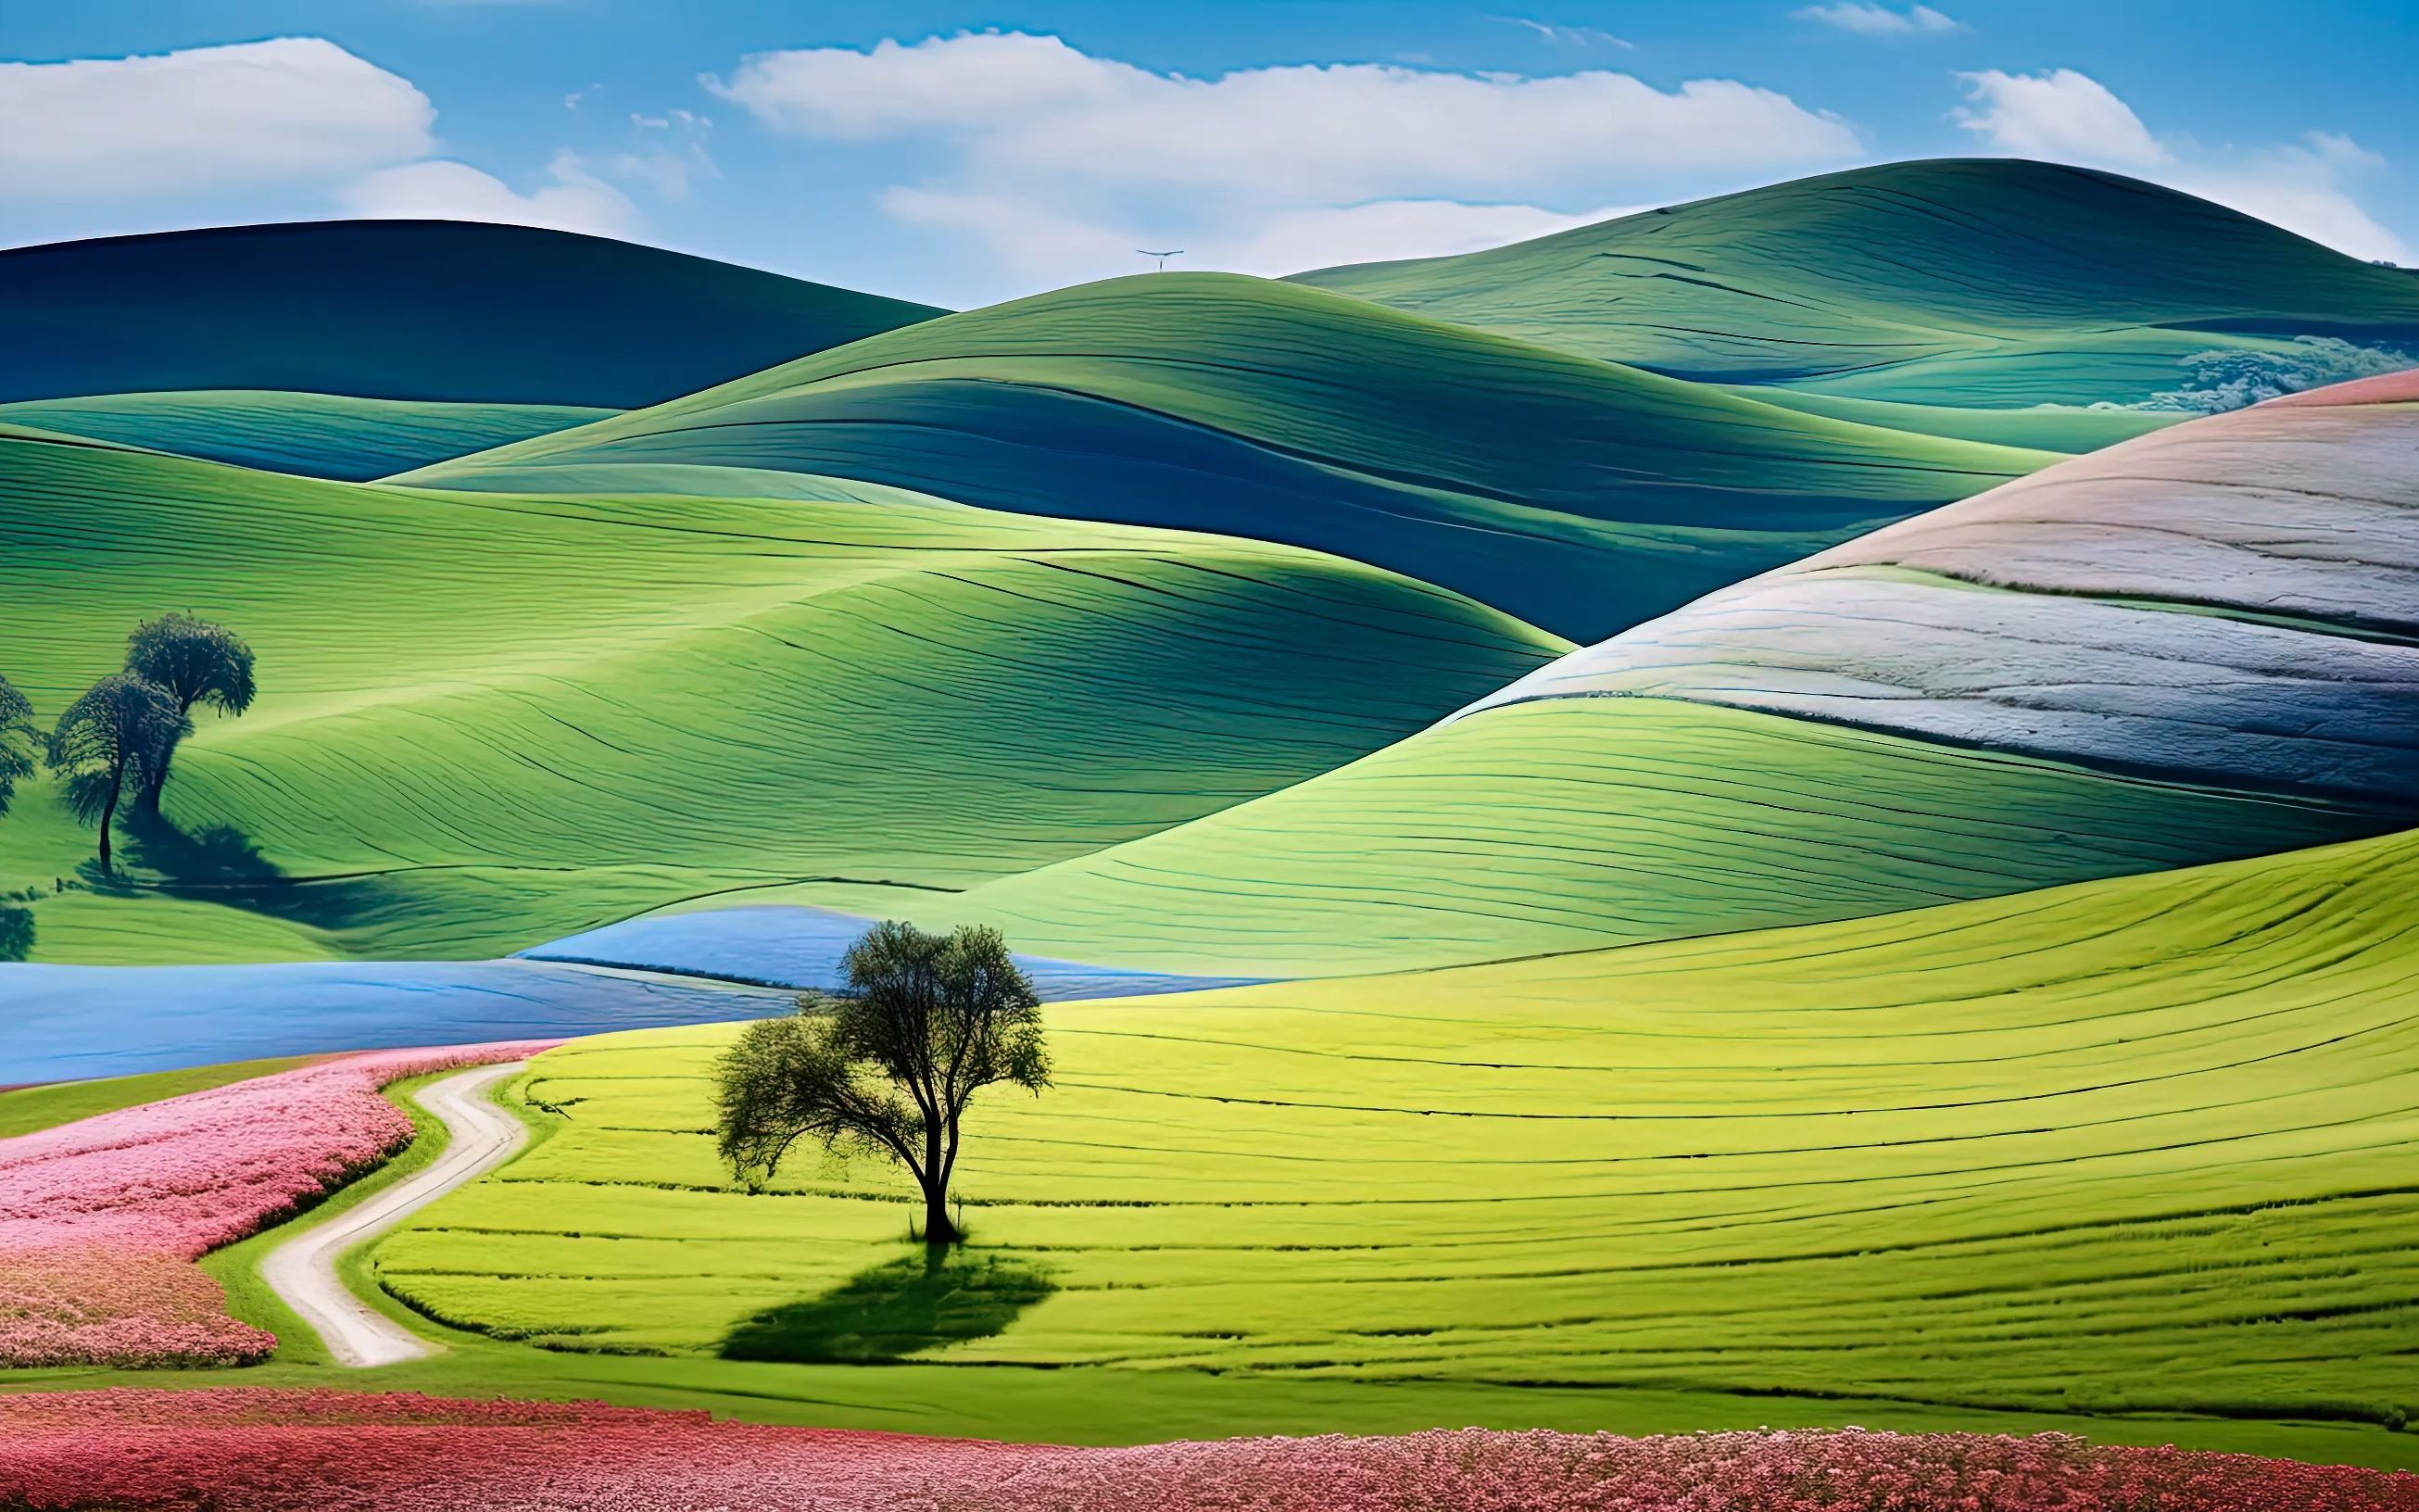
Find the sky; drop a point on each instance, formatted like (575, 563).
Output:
(962, 154)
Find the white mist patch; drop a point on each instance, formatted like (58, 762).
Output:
(2237, 378)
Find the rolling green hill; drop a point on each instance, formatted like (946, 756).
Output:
(489, 719)
(1579, 495)
(1986, 283)
(419, 310)
(317, 434)
(2233, 602)
(2021, 1153)
(1565, 823)
(2202, 645)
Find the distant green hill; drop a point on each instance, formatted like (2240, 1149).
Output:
(487, 720)
(1579, 495)
(1991, 282)
(419, 310)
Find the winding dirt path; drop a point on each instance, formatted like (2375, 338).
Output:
(302, 1271)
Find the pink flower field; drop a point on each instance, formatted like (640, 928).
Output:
(238, 1451)
(102, 1220)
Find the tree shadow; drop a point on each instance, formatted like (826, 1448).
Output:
(221, 864)
(217, 855)
(883, 1316)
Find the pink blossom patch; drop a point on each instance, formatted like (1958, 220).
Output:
(266, 1451)
(100, 1220)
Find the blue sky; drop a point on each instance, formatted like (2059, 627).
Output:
(961, 154)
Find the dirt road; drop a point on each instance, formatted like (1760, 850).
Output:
(302, 1271)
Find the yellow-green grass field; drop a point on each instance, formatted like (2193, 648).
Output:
(489, 721)
(2140, 1146)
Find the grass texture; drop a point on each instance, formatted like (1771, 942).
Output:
(1988, 283)
(2128, 1146)
(1565, 824)
(490, 720)
(1579, 495)
(317, 434)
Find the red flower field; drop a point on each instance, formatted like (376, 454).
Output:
(100, 1220)
(238, 1451)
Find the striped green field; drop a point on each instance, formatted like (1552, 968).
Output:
(318, 435)
(1580, 495)
(1561, 825)
(1989, 283)
(2066, 428)
(489, 720)
(2138, 1145)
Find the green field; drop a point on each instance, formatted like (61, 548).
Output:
(2128, 1146)
(490, 720)
(1560, 824)
(317, 434)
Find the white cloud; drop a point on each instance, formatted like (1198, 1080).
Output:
(2060, 114)
(1879, 21)
(1037, 242)
(1025, 106)
(1057, 164)
(669, 155)
(1569, 36)
(966, 84)
(1062, 247)
(1292, 241)
(292, 109)
(2304, 186)
(573, 199)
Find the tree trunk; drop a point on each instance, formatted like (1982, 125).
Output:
(108, 812)
(934, 1178)
(937, 1227)
(154, 779)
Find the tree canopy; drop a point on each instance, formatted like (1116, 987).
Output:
(195, 662)
(18, 742)
(888, 1067)
(117, 732)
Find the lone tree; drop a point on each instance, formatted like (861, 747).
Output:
(888, 1066)
(18, 742)
(113, 735)
(194, 661)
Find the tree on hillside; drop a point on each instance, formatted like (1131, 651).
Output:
(113, 736)
(19, 741)
(194, 661)
(888, 1066)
